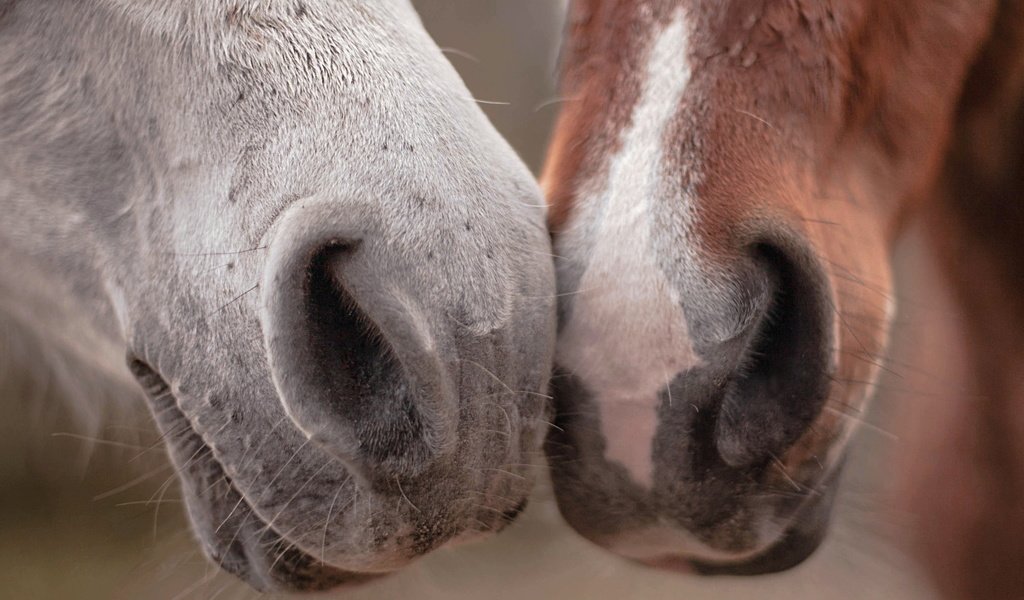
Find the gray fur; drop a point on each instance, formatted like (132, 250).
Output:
(165, 170)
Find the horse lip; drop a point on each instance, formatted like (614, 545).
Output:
(284, 566)
(807, 529)
(794, 548)
(242, 546)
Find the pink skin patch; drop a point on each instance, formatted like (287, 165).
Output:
(628, 427)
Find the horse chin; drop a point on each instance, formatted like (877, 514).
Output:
(231, 533)
(792, 550)
(805, 532)
(802, 527)
(255, 552)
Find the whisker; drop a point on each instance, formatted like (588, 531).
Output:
(95, 440)
(491, 102)
(227, 253)
(228, 265)
(781, 467)
(281, 470)
(130, 484)
(554, 101)
(552, 425)
(460, 53)
(565, 294)
(505, 471)
(150, 502)
(255, 454)
(864, 423)
(160, 440)
(233, 300)
(270, 524)
(327, 521)
(399, 484)
(871, 360)
(287, 547)
(821, 222)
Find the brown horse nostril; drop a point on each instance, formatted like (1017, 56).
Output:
(782, 382)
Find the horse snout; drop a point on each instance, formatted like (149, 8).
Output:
(687, 397)
(414, 365)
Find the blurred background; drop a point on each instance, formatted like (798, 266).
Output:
(96, 515)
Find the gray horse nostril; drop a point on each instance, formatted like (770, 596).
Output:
(780, 385)
(364, 383)
(352, 354)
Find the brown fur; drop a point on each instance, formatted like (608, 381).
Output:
(600, 52)
(837, 118)
(831, 116)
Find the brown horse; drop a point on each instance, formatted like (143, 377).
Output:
(726, 182)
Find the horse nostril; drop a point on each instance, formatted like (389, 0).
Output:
(353, 355)
(782, 382)
(364, 384)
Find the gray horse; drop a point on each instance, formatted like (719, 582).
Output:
(292, 225)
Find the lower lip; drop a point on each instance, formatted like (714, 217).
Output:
(670, 563)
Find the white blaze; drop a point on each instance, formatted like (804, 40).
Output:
(626, 337)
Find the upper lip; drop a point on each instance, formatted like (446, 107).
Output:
(233, 534)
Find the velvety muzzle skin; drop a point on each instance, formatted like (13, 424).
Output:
(724, 182)
(329, 273)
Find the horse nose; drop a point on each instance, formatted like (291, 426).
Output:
(354, 358)
(728, 358)
(776, 372)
